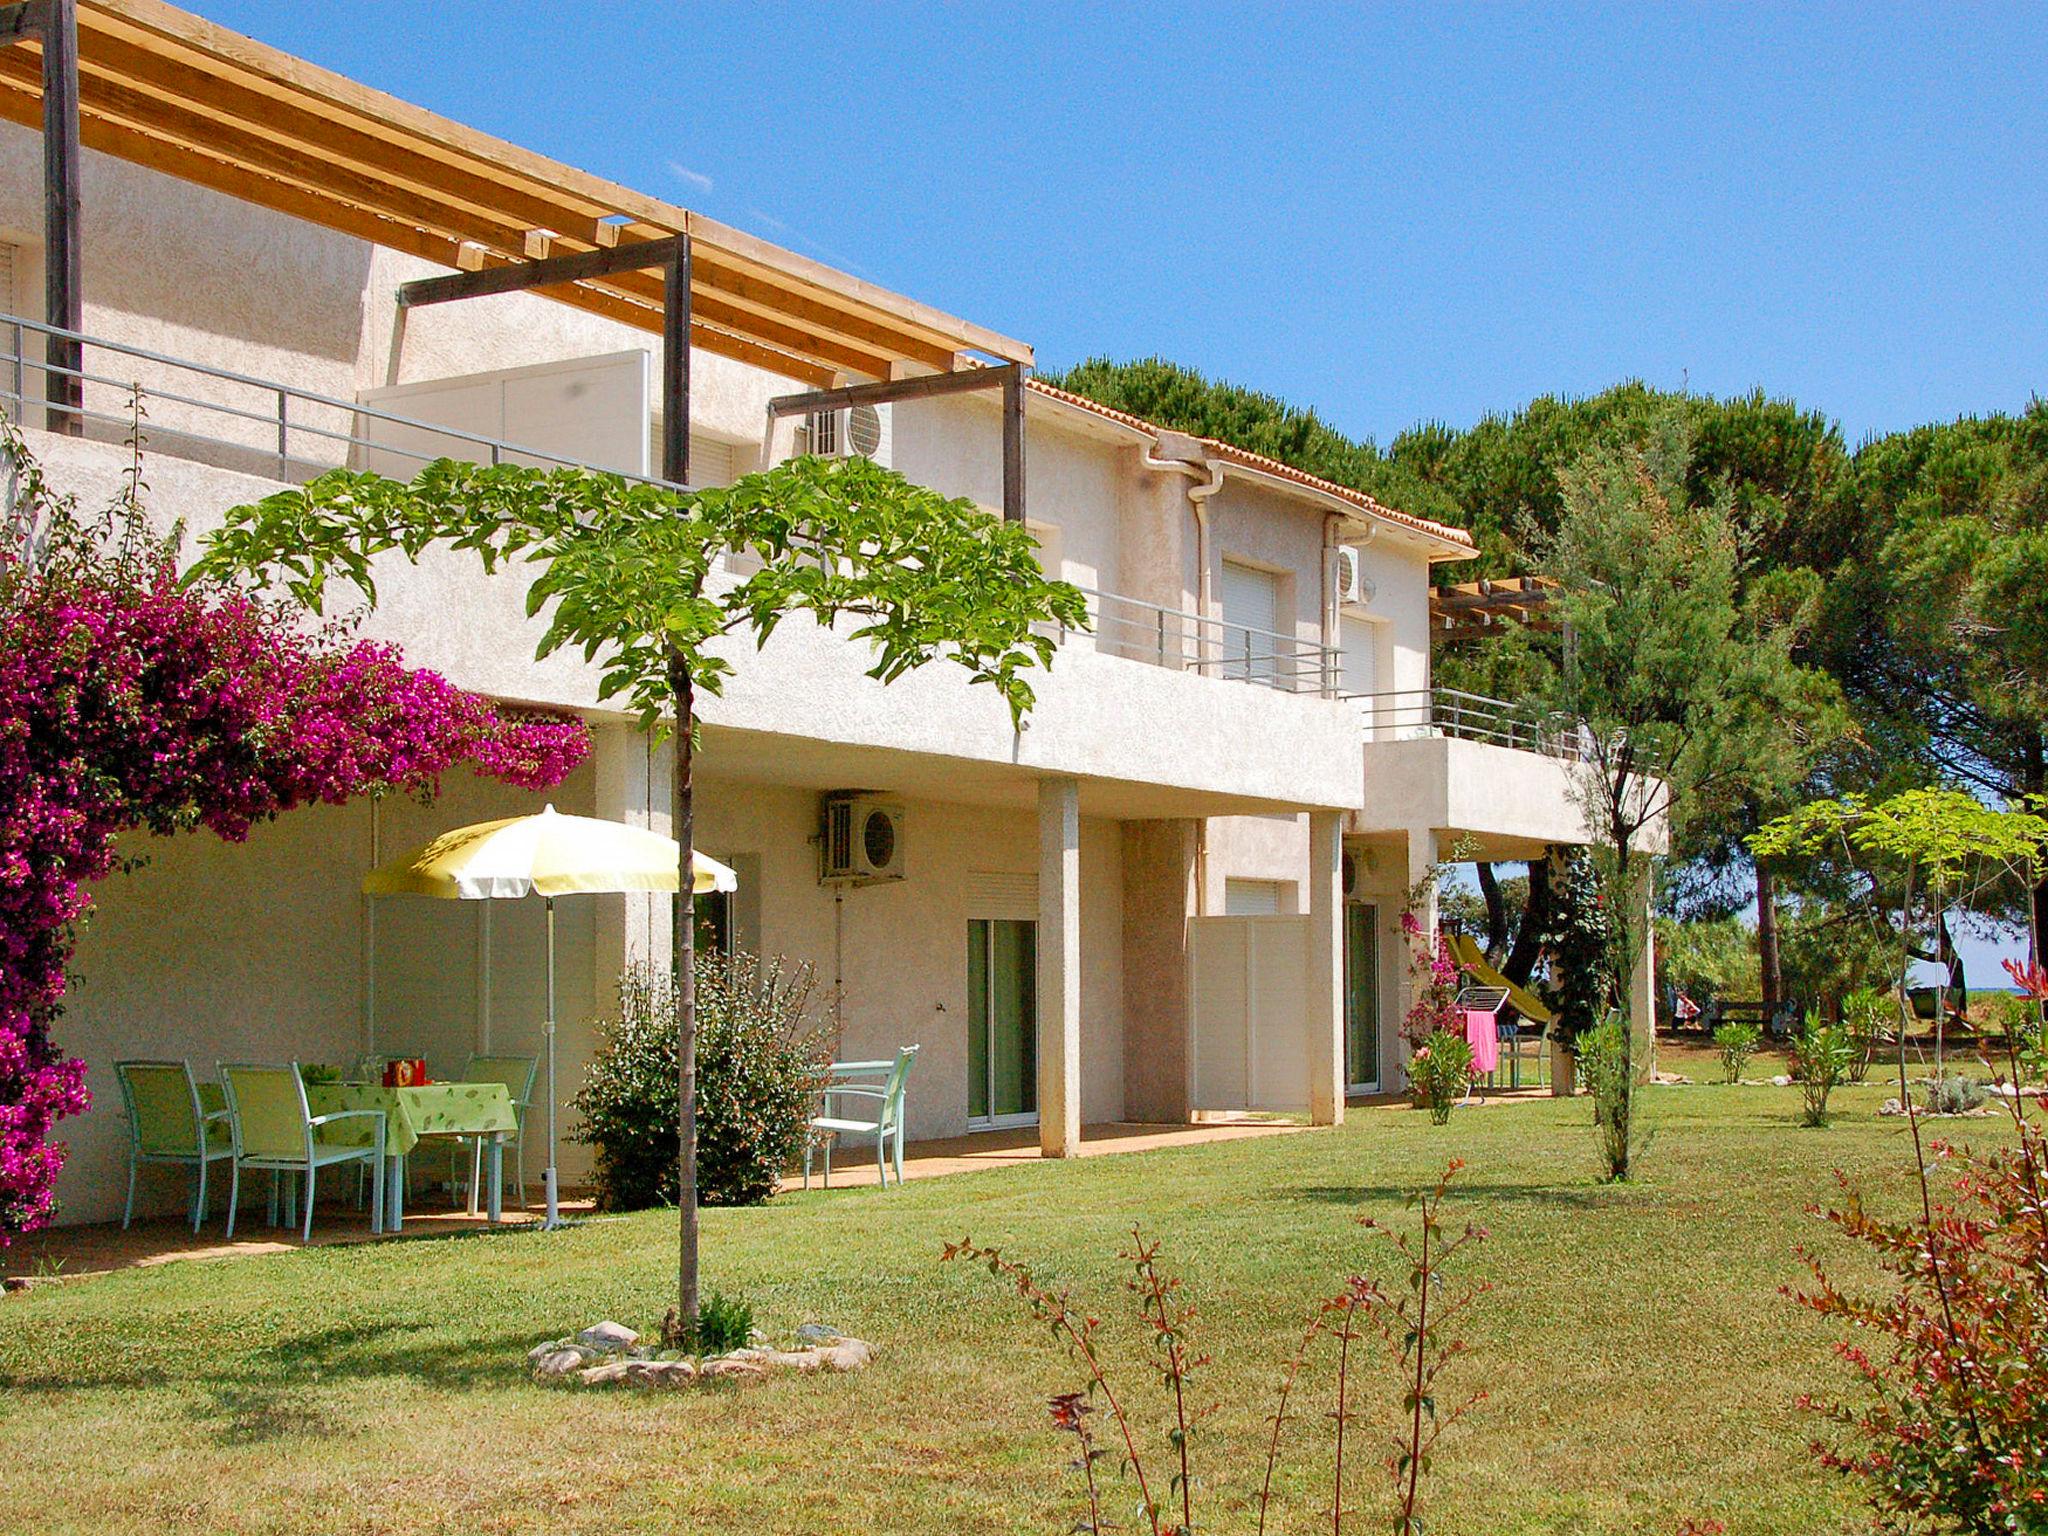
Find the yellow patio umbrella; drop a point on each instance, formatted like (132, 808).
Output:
(546, 855)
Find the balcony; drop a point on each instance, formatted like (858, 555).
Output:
(1410, 714)
(1129, 705)
(1181, 641)
(229, 420)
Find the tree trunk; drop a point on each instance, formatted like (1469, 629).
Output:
(1768, 963)
(1521, 961)
(684, 939)
(1949, 956)
(1496, 912)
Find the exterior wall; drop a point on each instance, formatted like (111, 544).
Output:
(902, 946)
(257, 951)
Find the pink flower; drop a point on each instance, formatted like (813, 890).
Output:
(130, 702)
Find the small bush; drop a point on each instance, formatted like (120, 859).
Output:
(1439, 1073)
(724, 1323)
(760, 1058)
(1864, 1015)
(1737, 1043)
(1954, 1094)
(1604, 1065)
(1820, 1059)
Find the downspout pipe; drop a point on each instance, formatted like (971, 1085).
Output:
(1180, 453)
(1206, 477)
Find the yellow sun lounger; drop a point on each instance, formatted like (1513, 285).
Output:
(1473, 958)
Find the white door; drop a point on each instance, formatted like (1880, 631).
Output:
(1359, 643)
(1251, 619)
(1249, 1013)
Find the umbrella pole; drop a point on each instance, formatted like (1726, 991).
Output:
(554, 1217)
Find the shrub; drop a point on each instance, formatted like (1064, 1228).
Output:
(1439, 1073)
(1603, 1062)
(1737, 1043)
(1951, 1431)
(1414, 1327)
(1820, 1059)
(760, 1057)
(1864, 1015)
(1954, 1094)
(724, 1323)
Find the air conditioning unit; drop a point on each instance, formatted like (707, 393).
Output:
(859, 430)
(1354, 862)
(861, 839)
(1347, 576)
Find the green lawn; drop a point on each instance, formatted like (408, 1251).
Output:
(1640, 1362)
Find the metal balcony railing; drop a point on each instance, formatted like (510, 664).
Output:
(1408, 713)
(1190, 642)
(197, 411)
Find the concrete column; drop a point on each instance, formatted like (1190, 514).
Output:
(1642, 980)
(632, 774)
(1159, 898)
(1059, 967)
(1325, 903)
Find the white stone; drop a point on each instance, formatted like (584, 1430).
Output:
(608, 1336)
(846, 1355)
(561, 1362)
(661, 1373)
(732, 1365)
(611, 1370)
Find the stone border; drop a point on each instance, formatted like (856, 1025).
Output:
(609, 1353)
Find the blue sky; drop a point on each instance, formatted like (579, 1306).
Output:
(1393, 215)
(1390, 214)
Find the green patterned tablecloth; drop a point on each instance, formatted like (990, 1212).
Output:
(439, 1109)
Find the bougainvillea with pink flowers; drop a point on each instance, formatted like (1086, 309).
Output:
(129, 701)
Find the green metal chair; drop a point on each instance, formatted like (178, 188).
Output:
(167, 1123)
(274, 1129)
(517, 1073)
(843, 1082)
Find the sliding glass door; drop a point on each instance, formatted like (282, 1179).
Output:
(1361, 997)
(1002, 1022)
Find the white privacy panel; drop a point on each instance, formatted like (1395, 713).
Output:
(1248, 1010)
(593, 410)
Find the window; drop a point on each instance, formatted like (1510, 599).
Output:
(1253, 898)
(1251, 618)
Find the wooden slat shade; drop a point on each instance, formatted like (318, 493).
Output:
(1472, 607)
(171, 91)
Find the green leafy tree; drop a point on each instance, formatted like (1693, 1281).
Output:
(1668, 681)
(1918, 849)
(627, 573)
(1936, 617)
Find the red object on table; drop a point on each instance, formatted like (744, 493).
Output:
(405, 1074)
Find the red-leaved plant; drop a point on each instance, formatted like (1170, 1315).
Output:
(1414, 1339)
(1952, 1433)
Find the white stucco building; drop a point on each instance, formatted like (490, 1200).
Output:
(1176, 891)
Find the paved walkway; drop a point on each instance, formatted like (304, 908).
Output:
(853, 1164)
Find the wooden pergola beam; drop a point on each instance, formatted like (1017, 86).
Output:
(548, 272)
(185, 97)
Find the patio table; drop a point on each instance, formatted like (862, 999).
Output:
(437, 1110)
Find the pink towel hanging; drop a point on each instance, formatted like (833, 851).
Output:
(1483, 1035)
